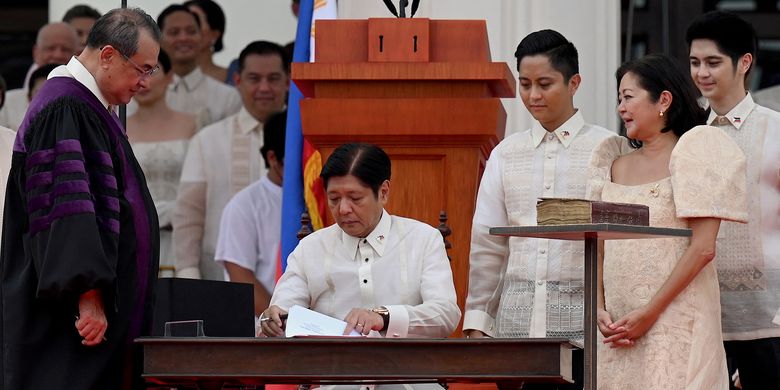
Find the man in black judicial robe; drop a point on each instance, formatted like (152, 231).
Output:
(80, 240)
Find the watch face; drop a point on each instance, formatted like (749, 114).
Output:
(385, 314)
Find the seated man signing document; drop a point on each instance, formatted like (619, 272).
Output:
(376, 271)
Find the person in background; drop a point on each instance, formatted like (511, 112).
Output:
(75, 292)
(3, 90)
(55, 43)
(38, 78)
(159, 137)
(722, 48)
(250, 229)
(295, 6)
(192, 91)
(212, 23)
(221, 160)
(82, 17)
(7, 137)
(769, 97)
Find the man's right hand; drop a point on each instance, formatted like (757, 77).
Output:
(91, 322)
(273, 325)
(475, 334)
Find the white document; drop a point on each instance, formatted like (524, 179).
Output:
(304, 322)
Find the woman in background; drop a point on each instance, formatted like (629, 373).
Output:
(212, 25)
(159, 137)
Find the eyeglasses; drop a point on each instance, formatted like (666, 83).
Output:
(143, 74)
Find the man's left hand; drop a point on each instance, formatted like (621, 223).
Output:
(363, 321)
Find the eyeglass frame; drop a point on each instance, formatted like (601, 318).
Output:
(143, 74)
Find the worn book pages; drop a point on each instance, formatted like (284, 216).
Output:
(566, 211)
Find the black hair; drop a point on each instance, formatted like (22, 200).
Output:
(164, 61)
(215, 17)
(657, 73)
(289, 50)
(732, 35)
(263, 48)
(175, 8)
(80, 11)
(274, 131)
(368, 163)
(550, 43)
(41, 73)
(119, 28)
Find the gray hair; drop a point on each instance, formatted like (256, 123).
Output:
(119, 28)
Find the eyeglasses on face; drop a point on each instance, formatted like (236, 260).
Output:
(142, 73)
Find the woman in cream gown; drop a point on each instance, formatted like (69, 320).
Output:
(659, 305)
(159, 137)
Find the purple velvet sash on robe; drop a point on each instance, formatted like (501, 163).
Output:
(58, 87)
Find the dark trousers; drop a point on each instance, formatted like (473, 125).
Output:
(576, 370)
(758, 362)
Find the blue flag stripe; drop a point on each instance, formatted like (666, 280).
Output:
(292, 198)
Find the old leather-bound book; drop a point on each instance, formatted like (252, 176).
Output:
(566, 211)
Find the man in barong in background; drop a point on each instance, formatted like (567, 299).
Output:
(55, 43)
(74, 291)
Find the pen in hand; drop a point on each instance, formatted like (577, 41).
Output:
(281, 316)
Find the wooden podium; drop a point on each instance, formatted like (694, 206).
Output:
(425, 91)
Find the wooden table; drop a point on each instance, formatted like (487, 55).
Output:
(208, 362)
(590, 233)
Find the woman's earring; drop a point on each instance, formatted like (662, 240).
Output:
(661, 113)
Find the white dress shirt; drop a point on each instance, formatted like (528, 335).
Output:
(250, 231)
(195, 93)
(401, 265)
(7, 137)
(16, 103)
(748, 255)
(33, 68)
(222, 159)
(14, 109)
(526, 287)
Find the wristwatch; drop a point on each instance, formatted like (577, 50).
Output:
(382, 311)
